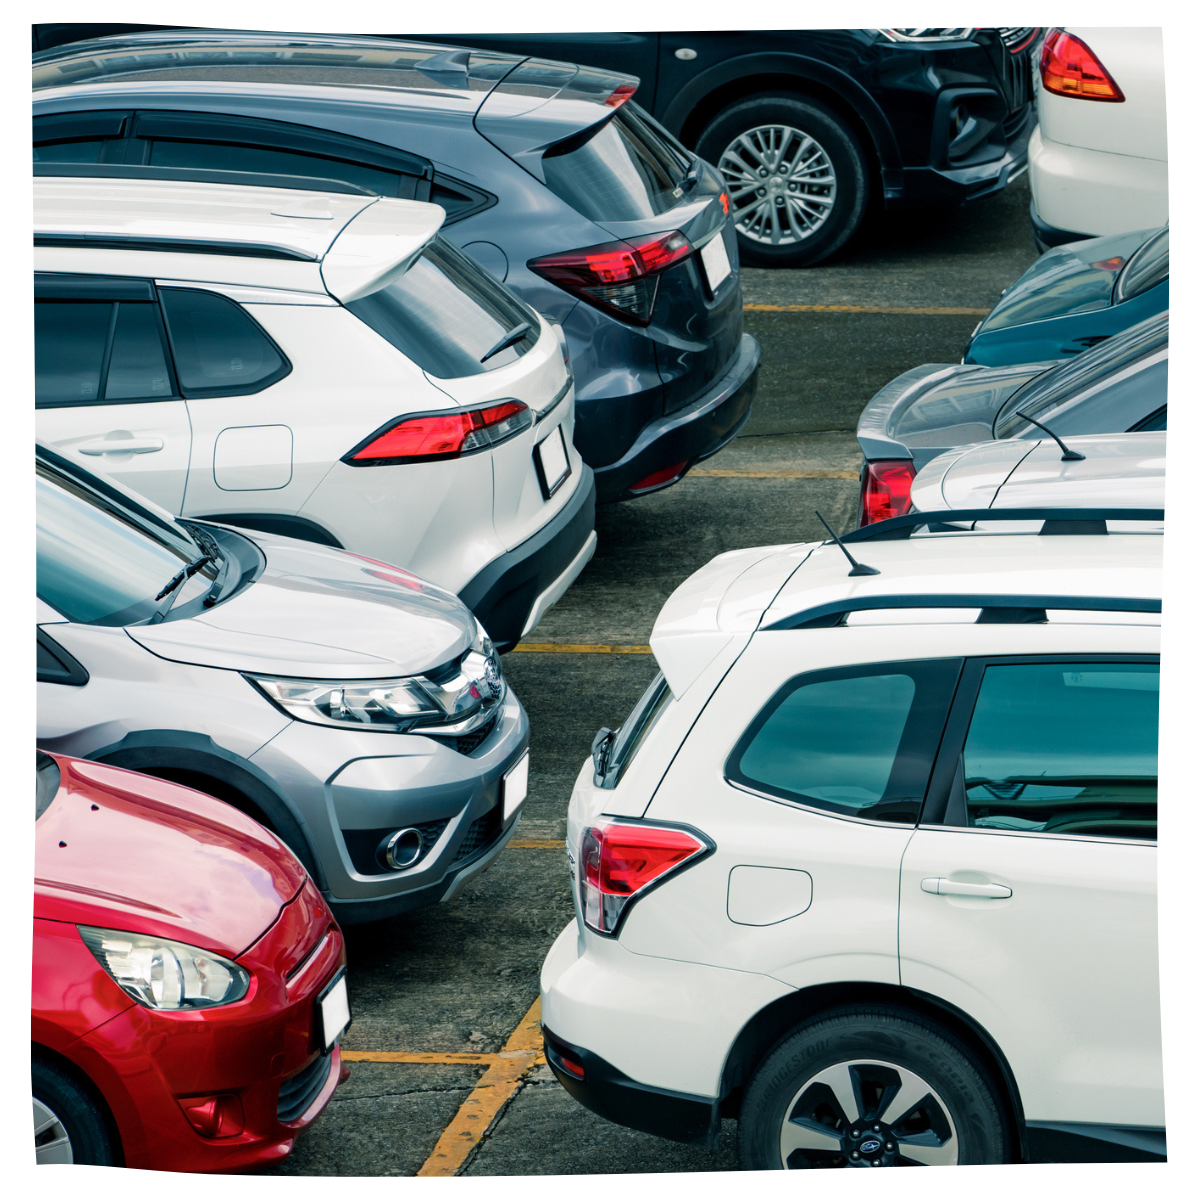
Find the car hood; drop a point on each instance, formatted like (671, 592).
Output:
(320, 613)
(121, 850)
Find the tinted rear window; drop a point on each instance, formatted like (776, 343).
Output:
(624, 170)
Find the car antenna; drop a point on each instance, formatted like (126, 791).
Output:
(857, 568)
(1067, 455)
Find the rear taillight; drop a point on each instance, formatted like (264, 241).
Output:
(441, 435)
(886, 490)
(619, 861)
(1069, 68)
(619, 277)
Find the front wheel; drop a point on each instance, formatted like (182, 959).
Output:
(870, 1087)
(68, 1126)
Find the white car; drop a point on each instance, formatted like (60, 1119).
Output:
(1098, 156)
(871, 865)
(316, 364)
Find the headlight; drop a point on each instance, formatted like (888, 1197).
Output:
(165, 975)
(927, 35)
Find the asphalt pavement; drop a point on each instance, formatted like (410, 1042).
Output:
(442, 998)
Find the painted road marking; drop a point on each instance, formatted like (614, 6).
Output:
(441, 1058)
(577, 648)
(491, 1095)
(926, 311)
(774, 474)
(537, 844)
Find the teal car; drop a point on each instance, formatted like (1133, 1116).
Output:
(1074, 296)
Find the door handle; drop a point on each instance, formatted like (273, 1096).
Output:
(127, 446)
(950, 887)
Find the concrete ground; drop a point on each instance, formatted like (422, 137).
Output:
(458, 978)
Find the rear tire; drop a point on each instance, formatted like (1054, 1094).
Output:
(797, 177)
(69, 1126)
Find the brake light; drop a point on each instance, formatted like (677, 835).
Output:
(1069, 68)
(658, 478)
(621, 93)
(619, 277)
(620, 861)
(442, 435)
(886, 490)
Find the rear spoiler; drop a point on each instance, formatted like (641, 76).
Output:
(378, 245)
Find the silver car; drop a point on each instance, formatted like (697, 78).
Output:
(356, 710)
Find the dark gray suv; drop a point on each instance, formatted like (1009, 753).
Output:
(550, 176)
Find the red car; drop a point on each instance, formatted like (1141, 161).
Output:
(189, 987)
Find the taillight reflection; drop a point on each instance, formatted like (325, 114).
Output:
(886, 490)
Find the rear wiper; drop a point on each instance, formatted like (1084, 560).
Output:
(511, 337)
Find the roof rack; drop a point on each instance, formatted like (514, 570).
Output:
(299, 183)
(114, 241)
(1054, 521)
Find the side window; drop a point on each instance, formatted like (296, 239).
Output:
(219, 349)
(79, 137)
(1065, 748)
(855, 742)
(137, 365)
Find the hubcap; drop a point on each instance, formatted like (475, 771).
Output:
(867, 1114)
(51, 1142)
(781, 184)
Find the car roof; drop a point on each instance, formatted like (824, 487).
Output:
(345, 244)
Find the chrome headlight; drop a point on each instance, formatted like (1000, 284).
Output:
(163, 974)
(927, 35)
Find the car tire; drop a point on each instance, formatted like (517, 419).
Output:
(876, 1060)
(69, 1126)
(823, 182)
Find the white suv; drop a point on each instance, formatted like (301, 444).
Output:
(315, 364)
(871, 865)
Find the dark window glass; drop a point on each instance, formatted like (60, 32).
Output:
(636, 727)
(623, 171)
(445, 313)
(1065, 748)
(856, 744)
(69, 337)
(224, 156)
(1149, 266)
(137, 367)
(1156, 422)
(75, 152)
(219, 349)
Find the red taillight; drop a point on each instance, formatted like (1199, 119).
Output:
(657, 478)
(1069, 68)
(442, 435)
(620, 277)
(886, 490)
(619, 861)
(621, 93)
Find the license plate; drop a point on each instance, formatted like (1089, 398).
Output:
(550, 461)
(333, 1012)
(716, 262)
(516, 786)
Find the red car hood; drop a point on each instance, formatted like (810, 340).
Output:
(122, 850)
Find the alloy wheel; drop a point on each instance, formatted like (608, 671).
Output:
(51, 1141)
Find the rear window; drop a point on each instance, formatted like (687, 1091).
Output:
(1149, 266)
(448, 315)
(636, 728)
(621, 170)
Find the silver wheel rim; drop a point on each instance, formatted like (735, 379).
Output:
(51, 1142)
(867, 1113)
(781, 184)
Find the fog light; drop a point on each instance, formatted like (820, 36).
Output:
(401, 849)
(214, 1116)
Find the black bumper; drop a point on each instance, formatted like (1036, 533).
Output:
(504, 592)
(688, 434)
(614, 1096)
(1047, 236)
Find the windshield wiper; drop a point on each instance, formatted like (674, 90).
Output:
(512, 336)
(174, 583)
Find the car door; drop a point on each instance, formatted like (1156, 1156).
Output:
(1030, 902)
(105, 389)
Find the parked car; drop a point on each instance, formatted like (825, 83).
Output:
(1075, 296)
(1118, 386)
(189, 982)
(550, 177)
(1098, 157)
(871, 865)
(358, 712)
(320, 365)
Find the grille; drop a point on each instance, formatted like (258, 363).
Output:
(483, 832)
(298, 1092)
(362, 844)
(473, 740)
(1018, 80)
(1014, 38)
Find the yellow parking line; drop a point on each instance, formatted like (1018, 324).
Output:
(775, 474)
(577, 648)
(537, 844)
(418, 1056)
(491, 1094)
(920, 311)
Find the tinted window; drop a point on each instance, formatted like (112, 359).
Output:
(856, 744)
(219, 349)
(636, 727)
(1065, 748)
(75, 152)
(69, 337)
(137, 366)
(445, 313)
(1150, 265)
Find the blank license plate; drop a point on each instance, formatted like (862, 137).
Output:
(516, 786)
(550, 458)
(716, 262)
(333, 1007)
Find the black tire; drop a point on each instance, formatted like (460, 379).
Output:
(871, 1055)
(843, 152)
(76, 1116)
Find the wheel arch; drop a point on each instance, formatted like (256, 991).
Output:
(764, 1031)
(40, 1051)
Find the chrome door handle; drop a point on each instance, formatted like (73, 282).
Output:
(949, 887)
(128, 446)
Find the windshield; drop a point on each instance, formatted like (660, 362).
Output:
(99, 562)
(1150, 265)
(1047, 391)
(621, 170)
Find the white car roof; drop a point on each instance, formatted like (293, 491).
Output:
(347, 245)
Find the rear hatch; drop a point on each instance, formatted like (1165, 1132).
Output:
(576, 129)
